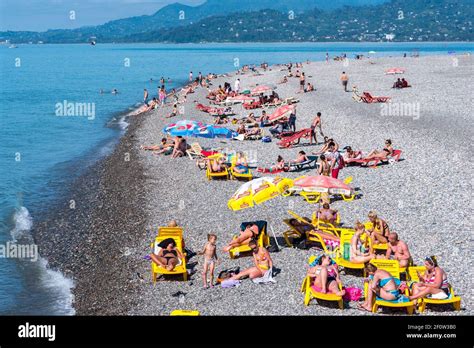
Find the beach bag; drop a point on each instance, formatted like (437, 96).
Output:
(352, 294)
(266, 139)
(230, 283)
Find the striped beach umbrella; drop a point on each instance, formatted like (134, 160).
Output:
(281, 112)
(261, 89)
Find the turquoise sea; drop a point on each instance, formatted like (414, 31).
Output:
(42, 150)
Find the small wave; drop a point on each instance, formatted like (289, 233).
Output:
(61, 288)
(23, 223)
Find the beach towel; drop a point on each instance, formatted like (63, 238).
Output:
(267, 278)
(352, 294)
(230, 283)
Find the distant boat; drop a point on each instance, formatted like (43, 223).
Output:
(93, 43)
(13, 46)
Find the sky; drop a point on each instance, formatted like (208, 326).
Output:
(41, 15)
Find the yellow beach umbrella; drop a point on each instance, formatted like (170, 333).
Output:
(258, 191)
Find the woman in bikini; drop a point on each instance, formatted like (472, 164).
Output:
(277, 168)
(379, 232)
(324, 167)
(326, 214)
(433, 283)
(360, 252)
(381, 155)
(351, 155)
(241, 164)
(169, 256)
(326, 276)
(262, 260)
(249, 233)
(381, 284)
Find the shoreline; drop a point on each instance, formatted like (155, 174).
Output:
(121, 203)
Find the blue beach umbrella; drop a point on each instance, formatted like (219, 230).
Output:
(183, 128)
(212, 131)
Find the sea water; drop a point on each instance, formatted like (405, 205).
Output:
(43, 146)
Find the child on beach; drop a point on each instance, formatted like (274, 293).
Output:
(210, 259)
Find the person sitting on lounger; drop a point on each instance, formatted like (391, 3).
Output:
(169, 256)
(216, 165)
(180, 147)
(351, 155)
(381, 155)
(249, 233)
(433, 283)
(359, 252)
(250, 120)
(326, 276)
(398, 250)
(241, 164)
(264, 119)
(379, 232)
(381, 284)
(331, 241)
(262, 260)
(326, 214)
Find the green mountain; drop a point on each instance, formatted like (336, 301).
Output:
(406, 20)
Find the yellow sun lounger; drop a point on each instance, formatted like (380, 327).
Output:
(184, 313)
(217, 175)
(179, 269)
(244, 176)
(310, 293)
(391, 266)
(262, 241)
(452, 299)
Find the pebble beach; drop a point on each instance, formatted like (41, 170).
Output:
(426, 197)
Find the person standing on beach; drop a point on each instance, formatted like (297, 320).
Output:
(336, 160)
(302, 82)
(237, 86)
(316, 123)
(344, 80)
(191, 76)
(145, 97)
(327, 57)
(210, 260)
(200, 78)
(292, 120)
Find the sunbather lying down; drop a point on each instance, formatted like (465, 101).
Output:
(381, 155)
(215, 165)
(166, 147)
(250, 232)
(277, 168)
(307, 228)
(169, 256)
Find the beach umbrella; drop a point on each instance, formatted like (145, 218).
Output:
(261, 89)
(281, 112)
(394, 71)
(182, 128)
(213, 131)
(258, 191)
(321, 184)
